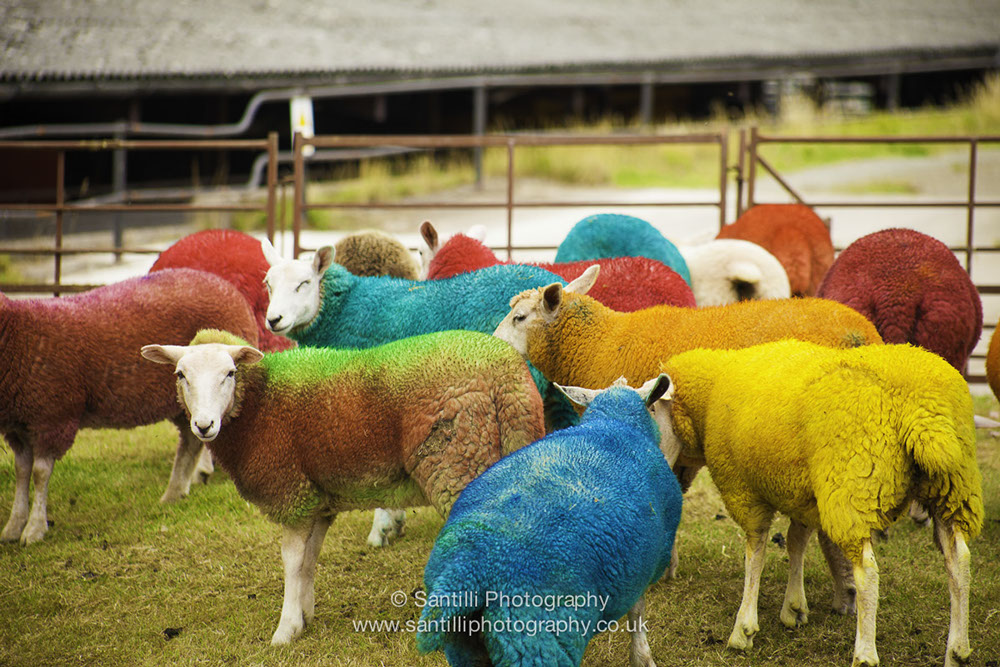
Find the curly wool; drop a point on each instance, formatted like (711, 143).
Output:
(592, 509)
(911, 286)
(608, 235)
(900, 417)
(374, 253)
(795, 235)
(237, 258)
(623, 284)
(328, 430)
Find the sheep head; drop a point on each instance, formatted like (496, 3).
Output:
(535, 308)
(294, 287)
(206, 380)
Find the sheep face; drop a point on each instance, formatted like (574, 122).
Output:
(536, 308)
(206, 380)
(293, 286)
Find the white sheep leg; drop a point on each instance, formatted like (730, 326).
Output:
(672, 569)
(640, 654)
(746, 619)
(866, 580)
(919, 514)
(841, 570)
(386, 524)
(795, 609)
(204, 468)
(294, 542)
(188, 451)
(22, 490)
(956, 559)
(41, 471)
(314, 544)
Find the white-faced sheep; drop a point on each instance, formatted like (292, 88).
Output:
(840, 441)
(582, 520)
(73, 362)
(311, 432)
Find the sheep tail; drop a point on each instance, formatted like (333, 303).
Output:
(944, 450)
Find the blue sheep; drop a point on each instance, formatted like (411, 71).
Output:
(615, 235)
(557, 540)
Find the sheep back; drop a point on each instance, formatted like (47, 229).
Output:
(589, 509)
(74, 361)
(623, 284)
(911, 286)
(236, 257)
(795, 235)
(404, 423)
(375, 253)
(589, 345)
(855, 433)
(993, 363)
(615, 235)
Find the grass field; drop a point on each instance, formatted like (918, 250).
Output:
(122, 580)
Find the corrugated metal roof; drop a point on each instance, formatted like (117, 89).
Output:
(66, 39)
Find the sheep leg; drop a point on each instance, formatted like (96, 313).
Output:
(866, 580)
(746, 619)
(640, 654)
(919, 514)
(38, 523)
(188, 450)
(386, 524)
(294, 544)
(844, 592)
(795, 609)
(23, 457)
(314, 543)
(956, 559)
(204, 468)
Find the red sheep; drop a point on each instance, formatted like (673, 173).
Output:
(625, 284)
(993, 363)
(912, 288)
(795, 235)
(236, 257)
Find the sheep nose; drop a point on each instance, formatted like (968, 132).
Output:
(273, 322)
(203, 430)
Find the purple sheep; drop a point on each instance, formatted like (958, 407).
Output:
(74, 362)
(913, 289)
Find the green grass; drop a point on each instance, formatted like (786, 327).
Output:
(117, 569)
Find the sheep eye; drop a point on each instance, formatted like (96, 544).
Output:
(180, 375)
(520, 318)
(231, 373)
(301, 285)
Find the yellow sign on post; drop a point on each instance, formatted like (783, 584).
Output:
(302, 120)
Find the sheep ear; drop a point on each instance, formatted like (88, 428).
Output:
(244, 354)
(163, 354)
(323, 259)
(429, 235)
(657, 388)
(585, 281)
(270, 253)
(579, 395)
(552, 298)
(477, 232)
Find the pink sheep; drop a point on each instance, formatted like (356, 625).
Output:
(912, 289)
(74, 362)
(625, 284)
(236, 257)
(795, 235)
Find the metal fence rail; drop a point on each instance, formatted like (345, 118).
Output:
(59, 207)
(510, 142)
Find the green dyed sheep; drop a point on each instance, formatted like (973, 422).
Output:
(840, 441)
(311, 432)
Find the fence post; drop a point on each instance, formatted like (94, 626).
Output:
(723, 174)
(752, 175)
(298, 192)
(272, 181)
(60, 201)
(510, 198)
(969, 242)
(740, 168)
(479, 128)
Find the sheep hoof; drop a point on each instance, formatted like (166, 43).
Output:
(844, 604)
(742, 637)
(33, 533)
(11, 532)
(793, 617)
(286, 632)
(868, 661)
(957, 656)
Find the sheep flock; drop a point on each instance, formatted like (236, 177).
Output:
(554, 415)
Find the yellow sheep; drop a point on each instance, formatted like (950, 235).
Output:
(575, 341)
(840, 441)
